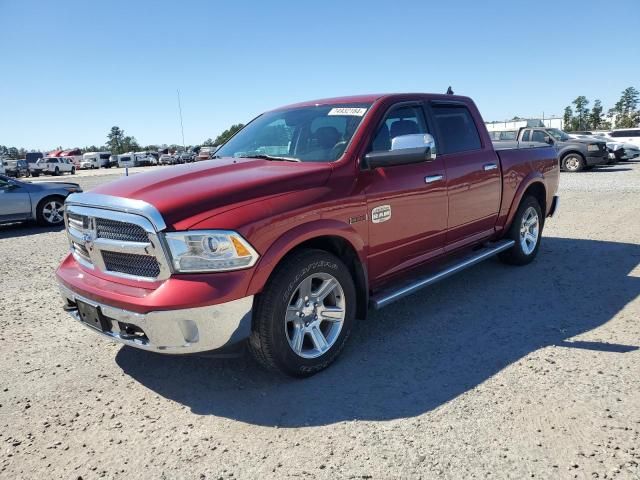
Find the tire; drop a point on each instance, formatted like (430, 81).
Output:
(56, 172)
(526, 247)
(573, 162)
(289, 327)
(73, 170)
(35, 174)
(49, 211)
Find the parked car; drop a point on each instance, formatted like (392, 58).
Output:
(53, 166)
(185, 157)
(167, 159)
(43, 202)
(283, 253)
(17, 168)
(206, 153)
(144, 159)
(32, 158)
(575, 154)
(627, 135)
(2, 166)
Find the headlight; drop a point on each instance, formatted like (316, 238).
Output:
(593, 147)
(209, 251)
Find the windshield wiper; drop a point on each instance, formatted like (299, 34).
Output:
(264, 156)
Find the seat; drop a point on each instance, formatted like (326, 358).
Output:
(327, 137)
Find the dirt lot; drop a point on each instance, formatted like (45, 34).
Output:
(500, 372)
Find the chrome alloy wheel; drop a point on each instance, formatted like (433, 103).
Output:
(52, 212)
(572, 163)
(529, 230)
(315, 315)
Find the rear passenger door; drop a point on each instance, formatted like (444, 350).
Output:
(474, 186)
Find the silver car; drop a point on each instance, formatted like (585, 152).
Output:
(42, 202)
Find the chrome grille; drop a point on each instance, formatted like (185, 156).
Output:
(114, 230)
(116, 243)
(131, 264)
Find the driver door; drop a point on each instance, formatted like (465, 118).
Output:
(15, 203)
(406, 204)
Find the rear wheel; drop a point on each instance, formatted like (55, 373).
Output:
(73, 170)
(526, 231)
(56, 172)
(50, 211)
(573, 162)
(305, 314)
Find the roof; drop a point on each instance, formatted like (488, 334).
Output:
(368, 98)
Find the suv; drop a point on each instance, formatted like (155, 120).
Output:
(627, 135)
(17, 168)
(53, 166)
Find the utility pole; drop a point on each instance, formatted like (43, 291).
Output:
(180, 111)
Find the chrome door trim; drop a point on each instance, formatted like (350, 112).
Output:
(489, 166)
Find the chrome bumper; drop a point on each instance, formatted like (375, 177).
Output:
(554, 206)
(174, 332)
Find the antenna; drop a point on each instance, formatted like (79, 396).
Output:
(180, 111)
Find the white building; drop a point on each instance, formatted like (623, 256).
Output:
(554, 122)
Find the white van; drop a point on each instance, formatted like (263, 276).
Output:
(95, 160)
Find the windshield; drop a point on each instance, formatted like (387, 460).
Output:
(307, 134)
(558, 134)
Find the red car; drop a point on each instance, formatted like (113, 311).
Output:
(312, 215)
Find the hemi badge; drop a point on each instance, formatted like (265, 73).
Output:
(359, 218)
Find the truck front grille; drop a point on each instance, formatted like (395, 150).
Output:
(116, 243)
(115, 230)
(131, 264)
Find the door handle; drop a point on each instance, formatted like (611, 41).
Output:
(433, 178)
(489, 166)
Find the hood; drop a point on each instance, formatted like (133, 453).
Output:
(190, 190)
(585, 141)
(54, 185)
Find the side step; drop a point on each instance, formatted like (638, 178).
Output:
(386, 297)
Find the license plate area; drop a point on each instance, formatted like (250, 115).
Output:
(92, 316)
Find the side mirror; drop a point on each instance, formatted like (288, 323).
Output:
(547, 139)
(405, 150)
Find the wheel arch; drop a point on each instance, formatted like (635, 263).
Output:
(334, 237)
(534, 186)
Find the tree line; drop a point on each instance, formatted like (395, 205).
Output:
(624, 114)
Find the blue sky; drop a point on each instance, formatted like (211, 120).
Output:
(72, 69)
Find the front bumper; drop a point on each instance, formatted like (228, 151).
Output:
(184, 331)
(597, 158)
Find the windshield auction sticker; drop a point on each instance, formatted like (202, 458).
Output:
(351, 111)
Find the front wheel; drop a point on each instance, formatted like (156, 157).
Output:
(526, 231)
(305, 314)
(73, 170)
(573, 163)
(50, 211)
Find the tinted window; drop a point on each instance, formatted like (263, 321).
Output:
(537, 136)
(456, 128)
(526, 136)
(399, 121)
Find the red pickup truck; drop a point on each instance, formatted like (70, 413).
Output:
(308, 217)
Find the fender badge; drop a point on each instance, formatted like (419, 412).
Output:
(381, 214)
(359, 218)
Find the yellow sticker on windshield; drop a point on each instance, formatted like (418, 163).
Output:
(351, 111)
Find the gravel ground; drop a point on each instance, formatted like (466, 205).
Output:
(500, 372)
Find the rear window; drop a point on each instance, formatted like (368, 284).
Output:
(456, 129)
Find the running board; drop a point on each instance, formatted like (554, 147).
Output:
(386, 297)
